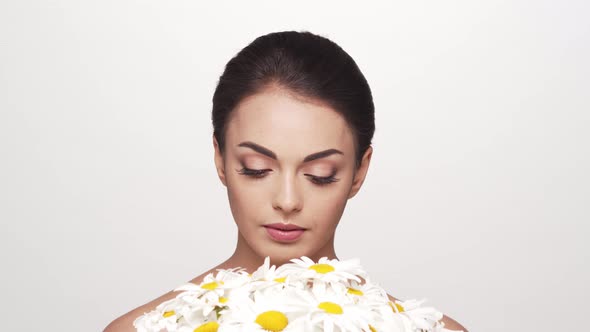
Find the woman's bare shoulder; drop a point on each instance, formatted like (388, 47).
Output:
(450, 323)
(124, 323)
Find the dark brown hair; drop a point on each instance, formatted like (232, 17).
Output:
(306, 64)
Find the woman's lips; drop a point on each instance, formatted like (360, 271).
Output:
(284, 227)
(284, 232)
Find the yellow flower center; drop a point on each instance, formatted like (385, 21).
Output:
(222, 299)
(210, 285)
(398, 307)
(280, 279)
(331, 308)
(168, 313)
(207, 327)
(372, 328)
(272, 320)
(322, 268)
(355, 291)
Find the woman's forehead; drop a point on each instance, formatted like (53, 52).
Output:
(276, 116)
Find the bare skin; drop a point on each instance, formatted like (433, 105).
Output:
(277, 132)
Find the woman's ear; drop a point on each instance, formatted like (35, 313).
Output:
(218, 158)
(361, 173)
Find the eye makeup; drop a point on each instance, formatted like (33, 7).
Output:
(318, 180)
(323, 180)
(255, 173)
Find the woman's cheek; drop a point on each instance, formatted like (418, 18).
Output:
(328, 212)
(245, 199)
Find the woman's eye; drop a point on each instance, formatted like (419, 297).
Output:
(259, 173)
(256, 173)
(322, 180)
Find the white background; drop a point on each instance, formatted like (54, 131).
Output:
(477, 197)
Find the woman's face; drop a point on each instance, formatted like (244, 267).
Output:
(288, 161)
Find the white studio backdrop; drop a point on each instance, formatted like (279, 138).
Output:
(476, 199)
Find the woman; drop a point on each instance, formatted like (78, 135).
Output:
(293, 120)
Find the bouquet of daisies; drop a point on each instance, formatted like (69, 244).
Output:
(300, 296)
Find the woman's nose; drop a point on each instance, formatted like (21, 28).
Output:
(287, 196)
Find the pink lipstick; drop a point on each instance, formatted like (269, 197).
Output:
(284, 232)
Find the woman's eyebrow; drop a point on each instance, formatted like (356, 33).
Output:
(262, 150)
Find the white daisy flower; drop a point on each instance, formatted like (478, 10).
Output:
(229, 278)
(328, 310)
(197, 305)
(265, 272)
(327, 270)
(367, 293)
(330, 296)
(388, 322)
(269, 276)
(207, 326)
(269, 309)
(165, 316)
(213, 288)
(424, 318)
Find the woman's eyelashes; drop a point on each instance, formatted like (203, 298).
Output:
(260, 173)
(322, 180)
(255, 173)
